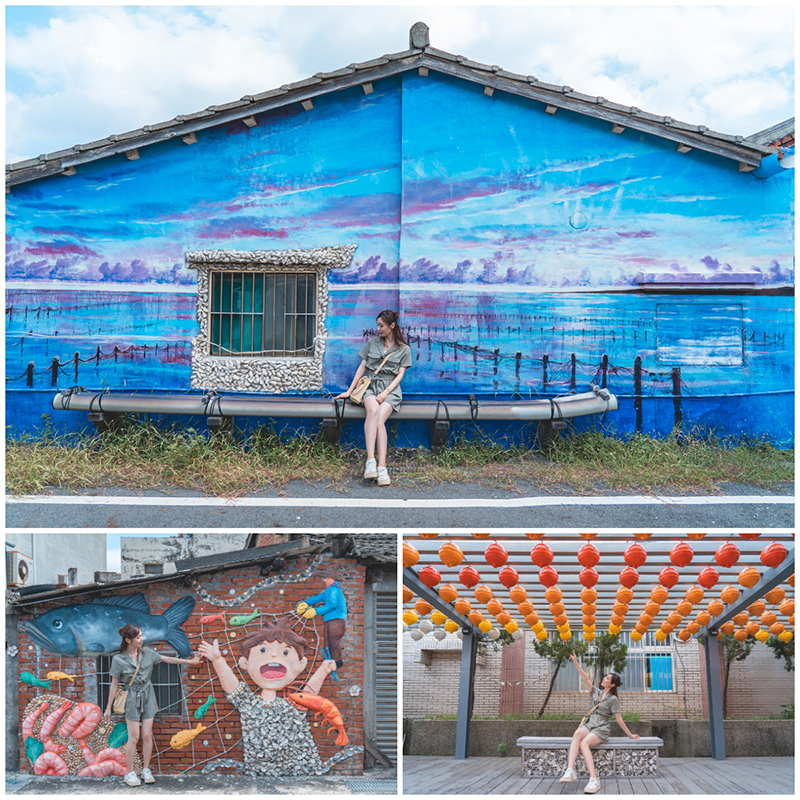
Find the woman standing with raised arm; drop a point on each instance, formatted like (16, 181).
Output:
(596, 725)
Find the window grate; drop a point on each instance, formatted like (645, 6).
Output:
(263, 314)
(166, 680)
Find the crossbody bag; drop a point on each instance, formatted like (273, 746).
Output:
(357, 395)
(122, 694)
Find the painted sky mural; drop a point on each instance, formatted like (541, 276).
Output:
(503, 234)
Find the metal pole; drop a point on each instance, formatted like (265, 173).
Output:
(715, 717)
(469, 648)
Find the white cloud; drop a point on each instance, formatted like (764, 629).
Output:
(93, 71)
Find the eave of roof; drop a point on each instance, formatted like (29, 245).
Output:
(738, 148)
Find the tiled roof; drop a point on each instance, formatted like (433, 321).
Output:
(780, 135)
(364, 546)
(420, 56)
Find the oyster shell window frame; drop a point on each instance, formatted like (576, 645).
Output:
(262, 373)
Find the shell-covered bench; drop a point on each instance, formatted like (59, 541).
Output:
(546, 756)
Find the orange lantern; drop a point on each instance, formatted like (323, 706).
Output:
(422, 607)
(646, 619)
(641, 628)
(556, 608)
(635, 555)
(587, 536)
(496, 555)
(652, 608)
(629, 577)
(508, 577)
(494, 607)
(668, 577)
(450, 554)
(503, 618)
(410, 555)
(437, 618)
(684, 635)
(684, 608)
(588, 577)
(475, 617)
(560, 620)
(542, 555)
(727, 627)
(616, 619)
(407, 594)
(674, 619)
(752, 627)
(696, 536)
(642, 536)
(620, 608)
(786, 608)
(481, 535)
(483, 594)
(703, 618)
(548, 576)
(681, 555)
(749, 535)
(729, 594)
(469, 577)
(693, 627)
(741, 619)
(768, 618)
(716, 607)
(790, 580)
(588, 555)
(774, 596)
(525, 608)
(624, 594)
(659, 595)
(463, 606)
(694, 594)
(667, 628)
(749, 577)
(532, 618)
(777, 628)
(430, 576)
(588, 608)
(448, 593)
(756, 608)
(535, 535)
(553, 594)
(727, 555)
(740, 635)
(590, 619)
(588, 595)
(518, 595)
(427, 535)
(773, 555)
(708, 578)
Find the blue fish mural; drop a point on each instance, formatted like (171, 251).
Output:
(92, 629)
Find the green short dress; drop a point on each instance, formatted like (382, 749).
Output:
(141, 702)
(599, 722)
(399, 356)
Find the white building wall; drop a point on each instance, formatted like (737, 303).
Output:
(52, 554)
(139, 551)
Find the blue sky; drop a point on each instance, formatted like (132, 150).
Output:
(78, 73)
(113, 547)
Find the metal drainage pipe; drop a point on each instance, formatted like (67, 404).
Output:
(596, 401)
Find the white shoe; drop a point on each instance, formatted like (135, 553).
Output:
(370, 469)
(131, 779)
(147, 776)
(592, 787)
(568, 776)
(383, 476)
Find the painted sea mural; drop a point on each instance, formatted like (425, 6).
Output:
(522, 250)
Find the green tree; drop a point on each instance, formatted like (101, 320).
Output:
(557, 652)
(784, 650)
(733, 650)
(609, 652)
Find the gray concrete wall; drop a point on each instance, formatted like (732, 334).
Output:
(136, 551)
(12, 697)
(52, 554)
(682, 738)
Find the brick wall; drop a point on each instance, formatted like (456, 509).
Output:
(227, 585)
(759, 684)
(433, 688)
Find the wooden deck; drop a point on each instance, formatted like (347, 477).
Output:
(435, 775)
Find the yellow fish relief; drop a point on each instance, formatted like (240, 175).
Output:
(59, 676)
(183, 738)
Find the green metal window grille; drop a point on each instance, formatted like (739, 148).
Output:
(166, 680)
(263, 313)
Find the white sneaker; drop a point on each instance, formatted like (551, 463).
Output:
(147, 776)
(592, 787)
(383, 476)
(131, 779)
(568, 776)
(370, 469)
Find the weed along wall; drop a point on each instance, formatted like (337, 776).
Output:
(212, 734)
(530, 249)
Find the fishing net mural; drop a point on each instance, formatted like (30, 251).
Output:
(63, 736)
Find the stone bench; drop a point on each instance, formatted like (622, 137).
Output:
(546, 757)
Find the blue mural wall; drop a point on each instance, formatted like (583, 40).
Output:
(513, 242)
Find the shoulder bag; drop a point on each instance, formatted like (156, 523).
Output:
(122, 694)
(590, 713)
(357, 395)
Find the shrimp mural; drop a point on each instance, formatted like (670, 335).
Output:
(79, 746)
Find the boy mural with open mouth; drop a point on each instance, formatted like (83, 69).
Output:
(276, 736)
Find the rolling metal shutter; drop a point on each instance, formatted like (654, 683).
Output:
(385, 665)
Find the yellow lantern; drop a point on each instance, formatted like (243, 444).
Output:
(410, 555)
(565, 635)
(538, 627)
(541, 635)
(485, 626)
(450, 626)
(588, 636)
(660, 636)
(407, 594)
(410, 617)
(786, 636)
(437, 618)
(636, 636)
(511, 626)
(762, 635)
(564, 626)
(615, 629)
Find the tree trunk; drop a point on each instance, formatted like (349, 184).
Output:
(550, 690)
(725, 691)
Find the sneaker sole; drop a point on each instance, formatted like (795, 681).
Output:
(567, 780)
(591, 791)
(384, 483)
(370, 476)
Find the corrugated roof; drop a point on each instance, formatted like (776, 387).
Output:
(739, 148)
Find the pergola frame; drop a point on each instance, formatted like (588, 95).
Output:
(707, 635)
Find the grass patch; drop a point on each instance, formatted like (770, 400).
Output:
(141, 455)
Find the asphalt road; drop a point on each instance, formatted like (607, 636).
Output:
(363, 506)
